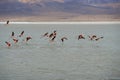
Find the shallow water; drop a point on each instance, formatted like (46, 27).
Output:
(40, 59)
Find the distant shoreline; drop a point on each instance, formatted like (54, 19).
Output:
(53, 17)
(101, 22)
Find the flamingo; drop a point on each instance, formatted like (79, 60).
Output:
(28, 38)
(63, 38)
(21, 34)
(92, 37)
(51, 35)
(15, 40)
(8, 44)
(53, 38)
(81, 37)
(98, 38)
(45, 35)
(12, 35)
(7, 22)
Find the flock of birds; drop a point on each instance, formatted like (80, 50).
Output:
(17, 40)
(51, 36)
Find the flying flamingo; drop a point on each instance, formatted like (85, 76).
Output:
(15, 40)
(81, 37)
(53, 34)
(8, 44)
(63, 38)
(45, 35)
(12, 35)
(98, 38)
(28, 38)
(21, 34)
(92, 37)
(53, 38)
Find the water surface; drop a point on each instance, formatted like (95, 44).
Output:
(41, 59)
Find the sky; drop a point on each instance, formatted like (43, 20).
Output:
(25, 1)
(74, 7)
(29, 1)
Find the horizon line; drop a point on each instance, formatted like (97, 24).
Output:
(101, 22)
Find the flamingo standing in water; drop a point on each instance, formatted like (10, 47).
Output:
(7, 22)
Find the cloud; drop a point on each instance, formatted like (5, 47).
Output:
(4, 1)
(35, 1)
(59, 0)
(29, 1)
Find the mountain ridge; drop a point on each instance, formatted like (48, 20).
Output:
(74, 8)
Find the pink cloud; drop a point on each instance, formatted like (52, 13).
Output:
(34, 1)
